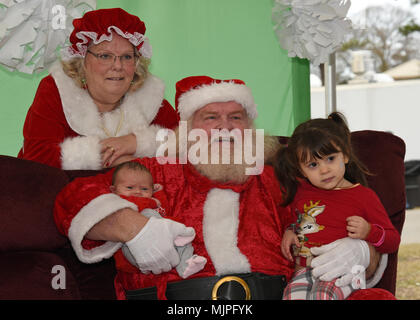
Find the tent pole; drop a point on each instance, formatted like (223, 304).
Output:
(330, 85)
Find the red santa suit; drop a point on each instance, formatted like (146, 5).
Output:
(238, 226)
(63, 127)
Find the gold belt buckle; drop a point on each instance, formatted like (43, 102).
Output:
(228, 279)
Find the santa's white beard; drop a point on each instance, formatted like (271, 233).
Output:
(223, 172)
(248, 160)
(224, 169)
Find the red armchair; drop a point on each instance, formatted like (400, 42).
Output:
(30, 245)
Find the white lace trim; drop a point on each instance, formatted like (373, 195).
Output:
(135, 38)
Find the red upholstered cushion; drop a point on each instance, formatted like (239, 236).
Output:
(26, 216)
(96, 280)
(383, 153)
(29, 277)
(372, 294)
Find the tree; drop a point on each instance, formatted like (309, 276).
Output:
(379, 31)
(412, 26)
(409, 28)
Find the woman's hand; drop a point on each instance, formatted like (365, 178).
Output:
(118, 149)
(122, 159)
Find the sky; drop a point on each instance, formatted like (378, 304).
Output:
(359, 5)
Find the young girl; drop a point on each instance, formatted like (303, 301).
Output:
(325, 186)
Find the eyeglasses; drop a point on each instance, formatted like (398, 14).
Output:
(128, 59)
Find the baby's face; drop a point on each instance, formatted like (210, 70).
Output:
(134, 183)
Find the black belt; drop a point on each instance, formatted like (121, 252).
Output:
(255, 286)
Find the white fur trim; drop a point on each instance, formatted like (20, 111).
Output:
(139, 107)
(220, 232)
(82, 153)
(371, 282)
(146, 141)
(145, 102)
(195, 99)
(95, 211)
(81, 113)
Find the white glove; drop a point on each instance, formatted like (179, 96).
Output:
(373, 281)
(153, 247)
(336, 260)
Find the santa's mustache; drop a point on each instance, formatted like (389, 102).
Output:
(224, 135)
(199, 147)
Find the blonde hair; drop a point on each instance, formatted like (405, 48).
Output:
(75, 69)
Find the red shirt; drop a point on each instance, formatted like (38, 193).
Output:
(323, 215)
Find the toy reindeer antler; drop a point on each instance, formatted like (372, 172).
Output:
(313, 209)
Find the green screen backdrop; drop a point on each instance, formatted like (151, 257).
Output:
(220, 38)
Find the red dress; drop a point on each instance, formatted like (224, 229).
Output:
(63, 126)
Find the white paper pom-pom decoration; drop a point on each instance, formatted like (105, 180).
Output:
(311, 29)
(33, 31)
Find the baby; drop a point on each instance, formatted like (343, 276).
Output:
(133, 182)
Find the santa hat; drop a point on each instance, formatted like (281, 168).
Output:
(195, 92)
(98, 25)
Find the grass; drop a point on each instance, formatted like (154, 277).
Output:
(408, 273)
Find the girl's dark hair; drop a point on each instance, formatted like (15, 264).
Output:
(132, 165)
(313, 139)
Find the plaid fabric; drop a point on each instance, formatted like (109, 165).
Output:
(304, 287)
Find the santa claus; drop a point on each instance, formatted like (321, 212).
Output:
(237, 219)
